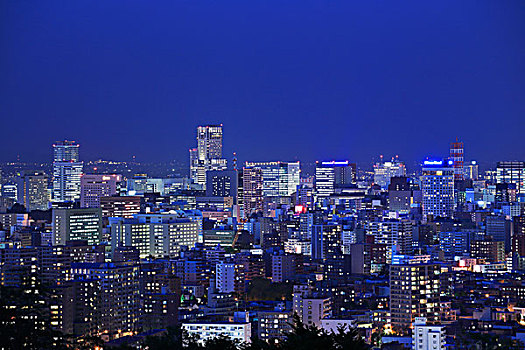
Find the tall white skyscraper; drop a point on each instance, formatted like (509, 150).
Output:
(438, 188)
(209, 142)
(208, 154)
(67, 171)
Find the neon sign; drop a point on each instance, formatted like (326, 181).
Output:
(335, 162)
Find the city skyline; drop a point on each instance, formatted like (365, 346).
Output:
(367, 165)
(328, 80)
(262, 175)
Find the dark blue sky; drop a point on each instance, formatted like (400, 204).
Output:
(288, 79)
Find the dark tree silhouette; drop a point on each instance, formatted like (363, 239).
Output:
(301, 337)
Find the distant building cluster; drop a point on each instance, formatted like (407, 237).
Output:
(426, 258)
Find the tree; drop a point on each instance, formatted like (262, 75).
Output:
(311, 337)
(221, 343)
(172, 339)
(17, 208)
(348, 339)
(301, 337)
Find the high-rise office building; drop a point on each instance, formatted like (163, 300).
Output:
(456, 155)
(10, 190)
(414, 291)
(384, 171)
(77, 224)
(252, 189)
(221, 183)
(488, 249)
(402, 195)
(95, 186)
(332, 174)
(36, 196)
(67, 170)
(395, 234)
(208, 154)
(454, 243)
(500, 229)
(209, 142)
(437, 189)
(512, 172)
(158, 235)
(278, 178)
(283, 267)
(120, 206)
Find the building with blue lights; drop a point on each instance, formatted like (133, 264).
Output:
(437, 186)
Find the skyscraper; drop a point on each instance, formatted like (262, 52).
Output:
(77, 224)
(512, 172)
(11, 190)
(118, 308)
(456, 155)
(332, 174)
(35, 191)
(221, 183)
(208, 154)
(278, 178)
(67, 170)
(95, 186)
(209, 142)
(252, 185)
(384, 171)
(414, 291)
(395, 234)
(438, 188)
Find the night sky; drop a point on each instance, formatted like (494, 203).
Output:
(288, 79)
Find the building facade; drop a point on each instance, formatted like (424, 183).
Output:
(95, 186)
(67, 171)
(414, 291)
(36, 195)
(511, 172)
(208, 154)
(437, 189)
(77, 224)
